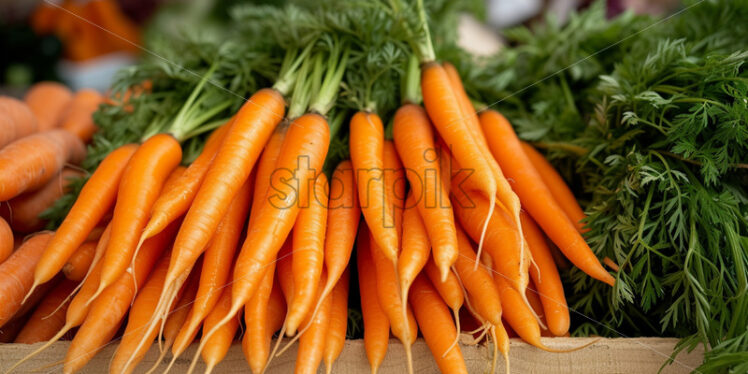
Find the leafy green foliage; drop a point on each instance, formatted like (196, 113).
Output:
(648, 120)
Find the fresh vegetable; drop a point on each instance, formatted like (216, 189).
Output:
(78, 119)
(16, 274)
(17, 120)
(80, 261)
(48, 101)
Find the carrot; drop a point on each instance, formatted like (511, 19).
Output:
(176, 318)
(266, 304)
(481, 289)
(30, 162)
(557, 186)
(16, 275)
(437, 326)
(284, 275)
(447, 114)
(176, 198)
(312, 341)
(307, 139)
(388, 289)
(450, 290)
(500, 239)
(107, 312)
(414, 138)
(10, 330)
(16, 120)
(6, 240)
(308, 254)
(94, 201)
(545, 276)
(343, 215)
(77, 266)
(141, 184)
(47, 319)
(394, 185)
(23, 211)
(141, 312)
(266, 167)
(217, 263)
(335, 337)
(536, 197)
(416, 247)
(79, 117)
(48, 101)
(537, 306)
(218, 344)
(376, 324)
(367, 151)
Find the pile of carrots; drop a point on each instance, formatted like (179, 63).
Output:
(458, 217)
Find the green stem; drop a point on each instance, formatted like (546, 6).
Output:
(411, 86)
(210, 126)
(328, 90)
(568, 147)
(289, 69)
(180, 126)
(423, 46)
(302, 90)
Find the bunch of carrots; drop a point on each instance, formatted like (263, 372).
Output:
(457, 215)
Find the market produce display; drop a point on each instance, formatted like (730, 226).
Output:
(305, 164)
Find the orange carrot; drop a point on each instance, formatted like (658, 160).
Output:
(47, 319)
(416, 247)
(16, 120)
(335, 336)
(218, 344)
(308, 254)
(177, 317)
(6, 240)
(30, 162)
(16, 274)
(176, 198)
(536, 197)
(501, 241)
(437, 326)
(388, 290)
(141, 184)
(481, 289)
(376, 324)
(216, 270)
(545, 276)
(141, 312)
(265, 305)
(94, 201)
(537, 306)
(367, 152)
(557, 186)
(22, 212)
(79, 117)
(48, 101)
(414, 138)
(77, 266)
(266, 168)
(312, 341)
(394, 185)
(107, 312)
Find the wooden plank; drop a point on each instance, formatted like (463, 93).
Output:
(629, 356)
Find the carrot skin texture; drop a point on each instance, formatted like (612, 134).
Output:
(376, 323)
(30, 162)
(219, 343)
(94, 201)
(6, 240)
(43, 325)
(307, 260)
(449, 290)
(308, 139)
(478, 282)
(140, 313)
(48, 101)
(500, 241)
(79, 118)
(16, 274)
(150, 166)
(416, 247)
(367, 146)
(536, 197)
(265, 304)
(16, 120)
(312, 341)
(517, 313)
(436, 325)
(266, 167)
(335, 337)
(557, 186)
(175, 198)
(241, 147)
(216, 268)
(414, 136)
(545, 276)
(77, 266)
(22, 212)
(107, 312)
